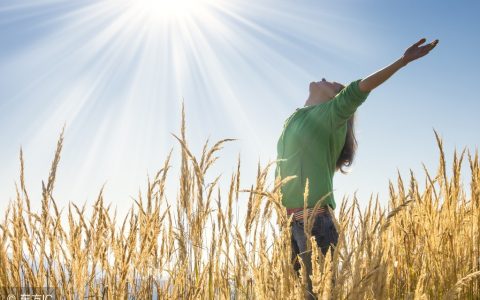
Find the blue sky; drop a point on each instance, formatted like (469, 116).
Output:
(116, 75)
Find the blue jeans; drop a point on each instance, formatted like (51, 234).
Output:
(325, 234)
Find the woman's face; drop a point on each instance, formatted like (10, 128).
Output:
(325, 89)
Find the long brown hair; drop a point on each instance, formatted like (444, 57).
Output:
(348, 152)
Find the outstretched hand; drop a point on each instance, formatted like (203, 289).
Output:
(416, 50)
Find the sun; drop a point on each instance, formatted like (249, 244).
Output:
(167, 10)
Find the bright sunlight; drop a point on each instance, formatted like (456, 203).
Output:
(160, 11)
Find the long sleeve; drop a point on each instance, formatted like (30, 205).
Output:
(345, 103)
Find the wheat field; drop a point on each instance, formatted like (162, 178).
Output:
(425, 245)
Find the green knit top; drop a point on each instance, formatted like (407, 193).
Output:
(310, 145)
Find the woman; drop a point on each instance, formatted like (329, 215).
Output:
(318, 140)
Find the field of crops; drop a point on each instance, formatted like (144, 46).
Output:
(425, 245)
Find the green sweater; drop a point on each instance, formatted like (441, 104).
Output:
(310, 144)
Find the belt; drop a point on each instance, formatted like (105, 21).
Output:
(299, 212)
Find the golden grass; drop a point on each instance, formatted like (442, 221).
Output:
(424, 246)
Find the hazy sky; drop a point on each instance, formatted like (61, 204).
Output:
(115, 72)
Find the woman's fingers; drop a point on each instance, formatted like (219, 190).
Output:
(416, 45)
(418, 50)
(430, 46)
(421, 41)
(434, 43)
(426, 49)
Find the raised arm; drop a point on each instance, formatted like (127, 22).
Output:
(412, 53)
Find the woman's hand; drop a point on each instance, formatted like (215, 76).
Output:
(416, 51)
(413, 52)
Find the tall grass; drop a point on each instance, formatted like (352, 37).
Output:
(425, 245)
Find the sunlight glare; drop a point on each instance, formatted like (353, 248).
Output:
(168, 10)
